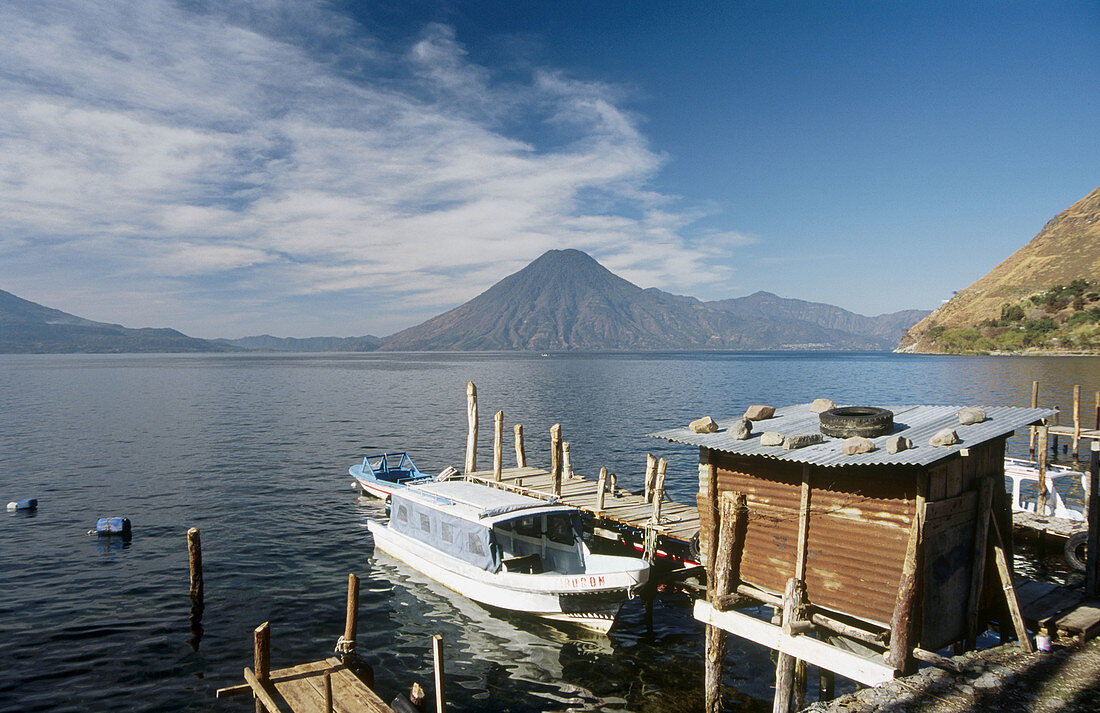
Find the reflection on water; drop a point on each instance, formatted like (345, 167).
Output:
(254, 450)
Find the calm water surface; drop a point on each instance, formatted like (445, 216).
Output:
(254, 450)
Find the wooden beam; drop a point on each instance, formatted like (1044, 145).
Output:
(1005, 572)
(437, 664)
(1092, 545)
(351, 618)
(1034, 404)
(937, 660)
(731, 543)
(784, 667)
(1076, 420)
(601, 489)
(979, 555)
(659, 489)
(555, 459)
(1041, 506)
(803, 526)
(869, 672)
(902, 623)
(498, 445)
(650, 472)
(261, 662)
(264, 692)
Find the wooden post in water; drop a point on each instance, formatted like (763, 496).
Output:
(659, 489)
(261, 657)
(727, 575)
(650, 472)
(194, 558)
(498, 445)
(1097, 422)
(555, 458)
(471, 420)
(612, 484)
(1041, 506)
(601, 489)
(351, 618)
(437, 664)
(1076, 421)
(1054, 439)
(566, 460)
(1034, 404)
(521, 454)
(1092, 545)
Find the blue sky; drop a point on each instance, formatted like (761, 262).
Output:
(312, 168)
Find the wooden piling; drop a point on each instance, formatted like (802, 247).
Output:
(803, 526)
(659, 489)
(902, 622)
(437, 665)
(1096, 423)
(1041, 505)
(328, 692)
(784, 667)
(566, 461)
(351, 619)
(612, 484)
(1076, 421)
(471, 420)
(650, 472)
(727, 566)
(261, 658)
(498, 445)
(555, 458)
(1092, 545)
(521, 453)
(601, 489)
(1034, 404)
(194, 558)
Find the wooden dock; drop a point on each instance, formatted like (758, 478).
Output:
(675, 521)
(1066, 611)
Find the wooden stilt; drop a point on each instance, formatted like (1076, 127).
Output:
(1076, 421)
(784, 668)
(351, 618)
(261, 658)
(826, 678)
(1041, 505)
(650, 472)
(1096, 423)
(798, 686)
(803, 526)
(727, 571)
(612, 484)
(194, 557)
(471, 421)
(1005, 572)
(521, 453)
(1092, 546)
(437, 664)
(555, 458)
(498, 445)
(901, 624)
(566, 461)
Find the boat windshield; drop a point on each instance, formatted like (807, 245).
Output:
(553, 539)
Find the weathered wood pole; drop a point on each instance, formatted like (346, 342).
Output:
(1076, 421)
(498, 445)
(555, 458)
(194, 559)
(1092, 546)
(566, 460)
(261, 657)
(650, 472)
(784, 667)
(328, 692)
(979, 556)
(612, 484)
(1005, 572)
(803, 526)
(471, 420)
(521, 453)
(351, 619)
(437, 664)
(601, 489)
(1096, 423)
(1041, 506)
(659, 489)
(826, 678)
(1054, 438)
(901, 623)
(1034, 404)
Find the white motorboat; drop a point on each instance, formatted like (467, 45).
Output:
(1061, 482)
(507, 550)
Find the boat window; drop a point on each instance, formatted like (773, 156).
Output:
(446, 531)
(402, 514)
(425, 523)
(559, 529)
(504, 526)
(529, 527)
(473, 543)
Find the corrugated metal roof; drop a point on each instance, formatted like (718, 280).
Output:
(917, 423)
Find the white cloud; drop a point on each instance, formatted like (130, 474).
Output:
(172, 148)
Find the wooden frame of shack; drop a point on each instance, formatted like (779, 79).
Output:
(870, 560)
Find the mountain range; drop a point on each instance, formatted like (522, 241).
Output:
(564, 300)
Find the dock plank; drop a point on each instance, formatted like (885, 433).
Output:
(1083, 620)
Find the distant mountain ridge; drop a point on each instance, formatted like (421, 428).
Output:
(1065, 250)
(566, 300)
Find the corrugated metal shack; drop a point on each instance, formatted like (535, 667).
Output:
(882, 552)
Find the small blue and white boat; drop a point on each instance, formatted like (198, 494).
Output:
(382, 473)
(509, 551)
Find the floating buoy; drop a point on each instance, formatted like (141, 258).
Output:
(112, 526)
(28, 504)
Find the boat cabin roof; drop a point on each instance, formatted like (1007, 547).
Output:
(476, 502)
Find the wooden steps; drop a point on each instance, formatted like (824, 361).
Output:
(1058, 608)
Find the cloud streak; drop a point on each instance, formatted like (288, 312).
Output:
(298, 175)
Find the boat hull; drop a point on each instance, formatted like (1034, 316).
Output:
(590, 600)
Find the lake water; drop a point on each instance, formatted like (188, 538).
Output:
(254, 450)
